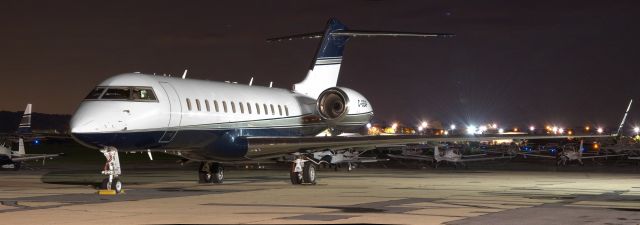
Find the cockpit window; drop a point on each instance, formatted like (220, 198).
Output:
(122, 93)
(95, 94)
(144, 94)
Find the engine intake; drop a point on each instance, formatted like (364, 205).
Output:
(333, 104)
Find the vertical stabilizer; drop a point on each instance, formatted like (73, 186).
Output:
(624, 118)
(324, 72)
(25, 122)
(436, 153)
(21, 150)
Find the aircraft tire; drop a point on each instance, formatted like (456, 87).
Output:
(217, 174)
(116, 185)
(309, 173)
(296, 177)
(16, 166)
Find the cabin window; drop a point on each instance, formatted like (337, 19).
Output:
(257, 108)
(273, 112)
(233, 107)
(286, 110)
(143, 94)
(241, 107)
(206, 104)
(224, 106)
(95, 94)
(215, 105)
(117, 93)
(248, 108)
(280, 110)
(266, 111)
(198, 104)
(189, 104)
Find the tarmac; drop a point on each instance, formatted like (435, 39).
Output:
(156, 194)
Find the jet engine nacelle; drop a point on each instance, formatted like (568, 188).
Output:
(334, 104)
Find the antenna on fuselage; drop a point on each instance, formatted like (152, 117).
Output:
(270, 84)
(251, 81)
(184, 75)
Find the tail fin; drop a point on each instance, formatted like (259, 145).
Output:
(324, 71)
(21, 150)
(624, 118)
(436, 153)
(25, 123)
(581, 148)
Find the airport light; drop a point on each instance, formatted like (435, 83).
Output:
(501, 130)
(636, 130)
(453, 127)
(420, 129)
(483, 129)
(554, 129)
(471, 129)
(494, 125)
(515, 129)
(424, 124)
(368, 125)
(600, 130)
(394, 126)
(532, 128)
(587, 128)
(446, 132)
(560, 130)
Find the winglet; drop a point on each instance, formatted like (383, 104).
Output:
(624, 118)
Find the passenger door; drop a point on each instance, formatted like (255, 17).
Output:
(175, 113)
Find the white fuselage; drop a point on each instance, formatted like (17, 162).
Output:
(187, 115)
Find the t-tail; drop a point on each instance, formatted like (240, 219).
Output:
(624, 118)
(325, 68)
(25, 122)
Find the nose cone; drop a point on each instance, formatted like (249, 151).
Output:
(82, 124)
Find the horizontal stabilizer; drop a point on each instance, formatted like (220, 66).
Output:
(354, 33)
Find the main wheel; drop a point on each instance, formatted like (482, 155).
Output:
(16, 166)
(204, 173)
(105, 184)
(309, 173)
(296, 177)
(217, 174)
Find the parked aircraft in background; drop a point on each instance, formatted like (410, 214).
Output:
(13, 159)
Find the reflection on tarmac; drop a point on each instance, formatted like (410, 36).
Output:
(169, 195)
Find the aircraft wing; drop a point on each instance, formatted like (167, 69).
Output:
(33, 157)
(411, 157)
(537, 155)
(259, 147)
(363, 160)
(601, 156)
(485, 158)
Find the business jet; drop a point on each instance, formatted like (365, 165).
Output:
(219, 122)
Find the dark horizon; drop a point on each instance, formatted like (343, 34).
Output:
(514, 63)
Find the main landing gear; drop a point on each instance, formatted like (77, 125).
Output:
(303, 171)
(111, 169)
(210, 172)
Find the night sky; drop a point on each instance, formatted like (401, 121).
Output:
(514, 62)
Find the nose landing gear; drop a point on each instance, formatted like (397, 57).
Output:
(112, 170)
